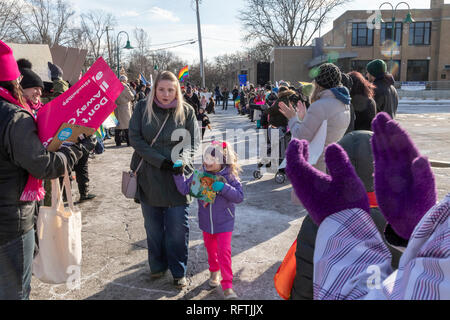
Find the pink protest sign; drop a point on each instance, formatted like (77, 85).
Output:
(88, 103)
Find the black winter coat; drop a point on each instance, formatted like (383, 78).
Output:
(365, 111)
(386, 96)
(193, 102)
(21, 154)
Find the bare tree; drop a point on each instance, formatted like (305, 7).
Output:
(140, 56)
(9, 12)
(259, 52)
(286, 22)
(93, 28)
(44, 21)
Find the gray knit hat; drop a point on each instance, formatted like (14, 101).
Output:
(56, 71)
(329, 76)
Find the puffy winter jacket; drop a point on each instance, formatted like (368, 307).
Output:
(329, 108)
(218, 217)
(21, 154)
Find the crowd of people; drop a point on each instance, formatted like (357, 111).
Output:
(370, 197)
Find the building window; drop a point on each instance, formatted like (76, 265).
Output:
(362, 35)
(360, 66)
(386, 32)
(420, 33)
(396, 69)
(418, 70)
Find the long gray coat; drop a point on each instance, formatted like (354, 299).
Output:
(157, 187)
(124, 107)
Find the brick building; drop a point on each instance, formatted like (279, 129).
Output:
(420, 50)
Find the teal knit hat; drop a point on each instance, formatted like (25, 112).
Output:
(377, 68)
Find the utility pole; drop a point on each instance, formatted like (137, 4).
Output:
(202, 67)
(111, 62)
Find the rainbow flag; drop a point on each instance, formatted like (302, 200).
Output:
(183, 73)
(101, 133)
(237, 102)
(110, 122)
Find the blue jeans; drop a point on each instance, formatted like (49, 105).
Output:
(16, 260)
(167, 238)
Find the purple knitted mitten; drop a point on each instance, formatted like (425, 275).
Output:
(323, 195)
(404, 183)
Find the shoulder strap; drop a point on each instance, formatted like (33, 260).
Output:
(160, 130)
(154, 140)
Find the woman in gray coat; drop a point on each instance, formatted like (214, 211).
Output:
(123, 112)
(165, 210)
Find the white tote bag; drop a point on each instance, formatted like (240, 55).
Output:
(59, 234)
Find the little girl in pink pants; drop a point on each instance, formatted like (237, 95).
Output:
(216, 219)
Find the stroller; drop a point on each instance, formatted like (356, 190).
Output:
(266, 162)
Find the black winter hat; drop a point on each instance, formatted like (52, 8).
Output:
(347, 81)
(329, 76)
(30, 79)
(24, 64)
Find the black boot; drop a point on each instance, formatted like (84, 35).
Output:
(127, 138)
(87, 197)
(118, 137)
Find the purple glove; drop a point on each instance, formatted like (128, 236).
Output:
(323, 195)
(404, 183)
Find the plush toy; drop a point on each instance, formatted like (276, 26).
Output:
(202, 186)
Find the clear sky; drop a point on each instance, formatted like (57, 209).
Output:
(175, 20)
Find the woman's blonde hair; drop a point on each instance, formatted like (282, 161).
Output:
(180, 115)
(223, 151)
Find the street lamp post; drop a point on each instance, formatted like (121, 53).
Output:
(128, 46)
(407, 20)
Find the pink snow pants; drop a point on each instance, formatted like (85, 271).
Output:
(218, 247)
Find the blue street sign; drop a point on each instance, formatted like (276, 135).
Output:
(242, 79)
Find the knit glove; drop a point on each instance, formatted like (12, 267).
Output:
(218, 186)
(178, 167)
(323, 195)
(167, 165)
(404, 182)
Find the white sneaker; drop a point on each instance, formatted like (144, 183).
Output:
(214, 279)
(230, 294)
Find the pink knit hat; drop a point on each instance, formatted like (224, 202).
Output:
(8, 65)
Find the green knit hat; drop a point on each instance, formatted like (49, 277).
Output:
(377, 68)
